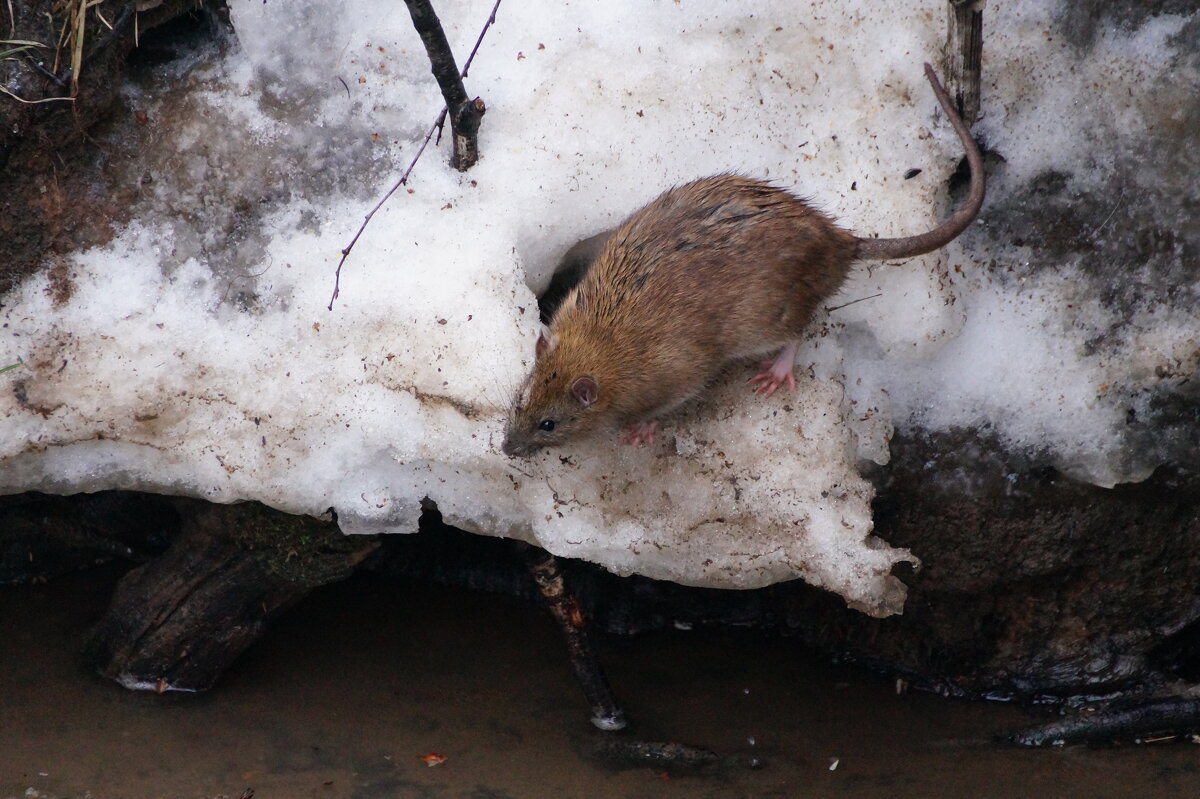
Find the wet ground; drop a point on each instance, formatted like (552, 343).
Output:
(348, 693)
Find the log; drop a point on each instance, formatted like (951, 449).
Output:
(176, 623)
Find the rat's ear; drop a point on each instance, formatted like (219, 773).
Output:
(585, 389)
(546, 342)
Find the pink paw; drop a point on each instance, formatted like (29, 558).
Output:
(776, 373)
(769, 382)
(638, 433)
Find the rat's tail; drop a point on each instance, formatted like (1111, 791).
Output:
(943, 234)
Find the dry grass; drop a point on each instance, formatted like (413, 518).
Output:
(14, 48)
(73, 34)
(71, 39)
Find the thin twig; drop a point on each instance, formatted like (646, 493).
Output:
(35, 102)
(77, 46)
(543, 567)
(62, 41)
(491, 21)
(37, 66)
(860, 299)
(437, 126)
(337, 275)
(1108, 218)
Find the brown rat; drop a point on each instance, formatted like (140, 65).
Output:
(717, 270)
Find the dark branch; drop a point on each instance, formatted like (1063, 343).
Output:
(465, 114)
(437, 126)
(440, 58)
(606, 713)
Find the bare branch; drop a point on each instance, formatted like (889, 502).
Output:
(491, 21)
(437, 126)
(465, 114)
(337, 276)
(441, 59)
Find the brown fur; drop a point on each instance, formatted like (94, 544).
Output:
(717, 270)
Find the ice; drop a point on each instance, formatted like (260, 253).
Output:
(195, 354)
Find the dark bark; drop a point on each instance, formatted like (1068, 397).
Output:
(634, 753)
(179, 621)
(44, 536)
(465, 115)
(964, 56)
(1160, 719)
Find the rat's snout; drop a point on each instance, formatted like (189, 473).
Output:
(517, 449)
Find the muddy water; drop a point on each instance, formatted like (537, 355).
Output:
(345, 696)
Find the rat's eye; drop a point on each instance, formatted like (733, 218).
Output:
(547, 425)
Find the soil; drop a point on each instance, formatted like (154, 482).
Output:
(58, 157)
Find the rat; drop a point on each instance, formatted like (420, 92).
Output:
(718, 270)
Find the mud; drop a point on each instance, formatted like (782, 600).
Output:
(60, 160)
(361, 681)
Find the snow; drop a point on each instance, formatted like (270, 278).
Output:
(196, 356)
